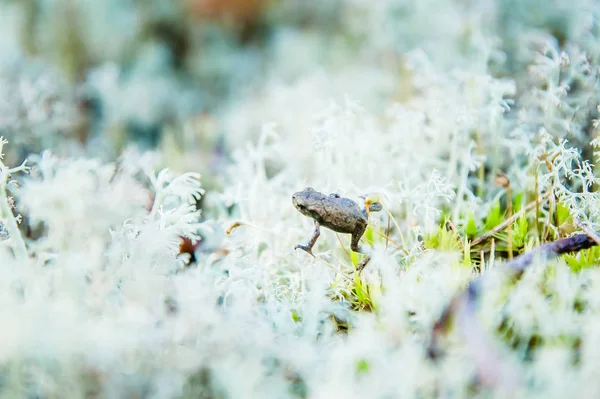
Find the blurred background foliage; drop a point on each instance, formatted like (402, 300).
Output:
(165, 73)
(196, 80)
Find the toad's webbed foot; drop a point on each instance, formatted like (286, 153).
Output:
(362, 264)
(305, 248)
(308, 247)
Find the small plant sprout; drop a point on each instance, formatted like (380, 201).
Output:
(7, 217)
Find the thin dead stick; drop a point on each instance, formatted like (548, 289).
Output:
(508, 221)
(504, 181)
(388, 239)
(343, 247)
(552, 249)
(492, 254)
(387, 232)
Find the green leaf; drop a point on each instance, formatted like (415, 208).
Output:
(562, 214)
(362, 366)
(518, 202)
(442, 240)
(583, 259)
(295, 316)
(494, 217)
(471, 227)
(467, 255)
(519, 232)
(369, 236)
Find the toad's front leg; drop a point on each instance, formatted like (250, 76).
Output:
(313, 240)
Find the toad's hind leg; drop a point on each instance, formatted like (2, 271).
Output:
(313, 240)
(356, 235)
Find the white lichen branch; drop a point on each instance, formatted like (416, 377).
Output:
(7, 216)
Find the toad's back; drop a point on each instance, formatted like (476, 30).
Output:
(341, 214)
(332, 211)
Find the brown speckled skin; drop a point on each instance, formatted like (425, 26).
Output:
(334, 212)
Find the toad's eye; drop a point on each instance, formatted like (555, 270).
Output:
(301, 207)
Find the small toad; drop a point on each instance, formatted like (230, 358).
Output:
(334, 212)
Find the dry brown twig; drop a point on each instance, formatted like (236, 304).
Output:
(509, 221)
